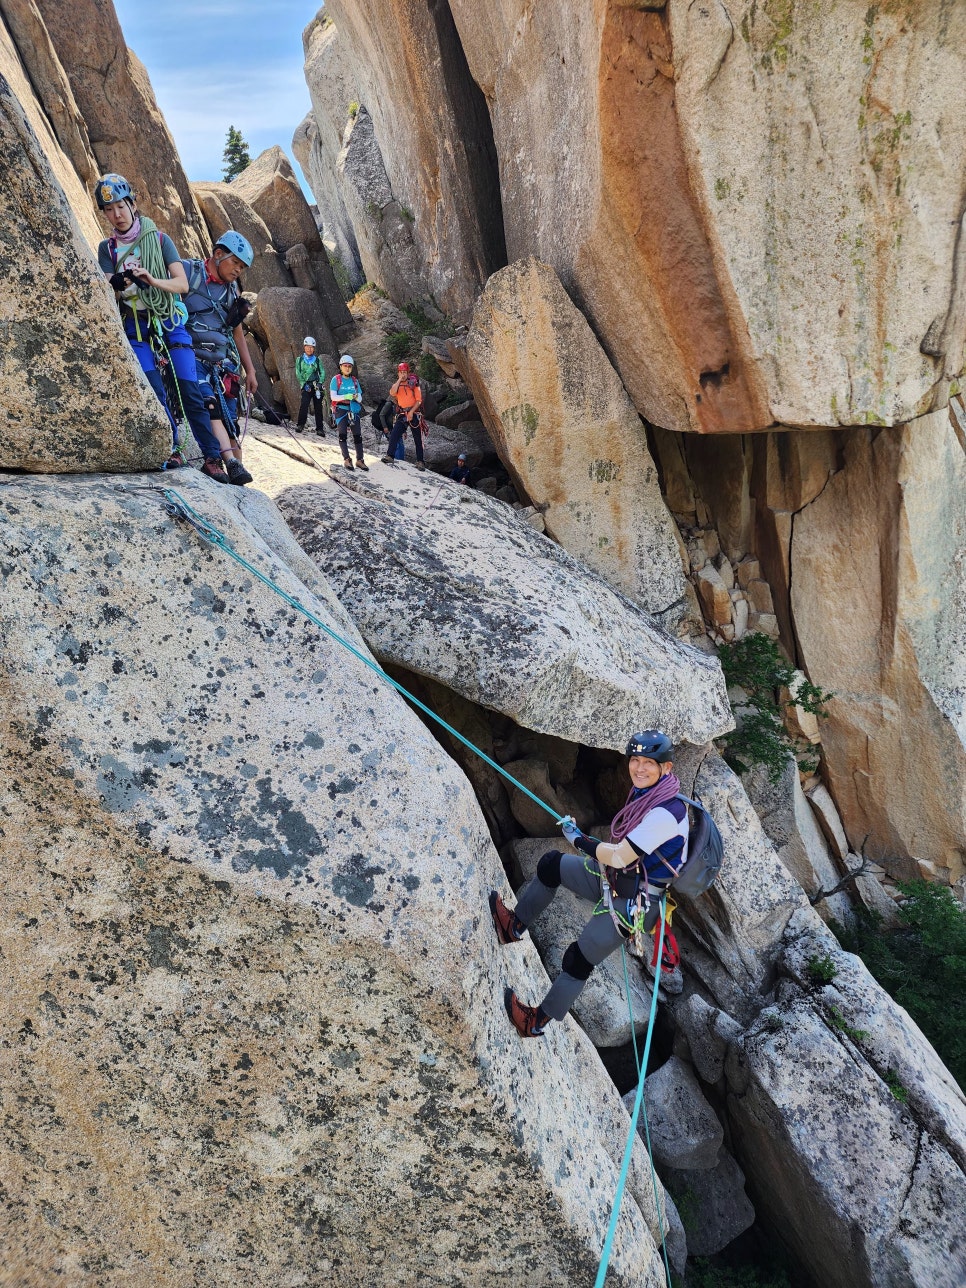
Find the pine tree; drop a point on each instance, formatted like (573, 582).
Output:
(235, 155)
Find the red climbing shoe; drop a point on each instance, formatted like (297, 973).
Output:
(525, 1019)
(508, 929)
(215, 470)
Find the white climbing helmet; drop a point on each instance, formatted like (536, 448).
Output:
(309, 339)
(347, 358)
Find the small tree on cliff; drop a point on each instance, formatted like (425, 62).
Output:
(235, 155)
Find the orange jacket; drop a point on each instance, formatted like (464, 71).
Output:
(406, 396)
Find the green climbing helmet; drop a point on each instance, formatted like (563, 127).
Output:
(111, 188)
(236, 245)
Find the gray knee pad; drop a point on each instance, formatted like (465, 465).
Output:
(548, 869)
(576, 964)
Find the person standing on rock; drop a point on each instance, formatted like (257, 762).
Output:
(625, 877)
(215, 315)
(143, 266)
(345, 394)
(407, 398)
(311, 377)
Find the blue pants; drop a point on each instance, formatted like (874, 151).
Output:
(400, 425)
(178, 342)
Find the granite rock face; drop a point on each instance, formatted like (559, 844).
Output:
(432, 123)
(736, 212)
(886, 536)
(282, 317)
(254, 1015)
(127, 132)
(569, 434)
(224, 207)
(455, 586)
(72, 397)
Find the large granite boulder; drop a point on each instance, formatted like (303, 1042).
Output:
(126, 129)
(282, 317)
(453, 584)
(30, 63)
(569, 434)
(224, 207)
(317, 141)
(432, 124)
(685, 1132)
(885, 537)
(715, 190)
(254, 1014)
(876, 1121)
(72, 397)
(270, 187)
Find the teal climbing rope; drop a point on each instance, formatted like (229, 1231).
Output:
(638, 1102)
(179, 508)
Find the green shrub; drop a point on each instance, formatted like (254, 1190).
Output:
(891, 1080)
(821, 970)
(922, 965)
(399, 345)
(755, 664)
(838, 1021)
(429, 369)
(353, 110)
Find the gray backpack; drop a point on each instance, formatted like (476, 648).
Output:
(705, 852)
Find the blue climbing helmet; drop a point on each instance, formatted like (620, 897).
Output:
(651, 743)
(111, 188)
(236, 245)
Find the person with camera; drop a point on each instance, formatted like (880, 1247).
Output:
(310, 374)
(216, 311)
(142, 265)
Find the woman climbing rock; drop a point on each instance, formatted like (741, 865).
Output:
(144, 268)
(625, 877)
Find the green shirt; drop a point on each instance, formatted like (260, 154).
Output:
(308, 369)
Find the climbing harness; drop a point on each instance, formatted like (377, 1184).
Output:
(178, 508)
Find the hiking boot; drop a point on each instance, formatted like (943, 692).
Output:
(509, 928)
(361, 465)
(320, 432)
(420, 465)
(527, 1020)
(298, 428)
(237, 473)
(215, 470)
(387, 460)
(347, 463)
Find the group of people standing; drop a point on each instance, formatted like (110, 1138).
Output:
(183, 319)
(404, 405)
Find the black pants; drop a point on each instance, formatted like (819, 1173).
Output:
(399, 428)
(308, 395)
(344, 421)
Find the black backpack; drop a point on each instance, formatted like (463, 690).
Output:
(705, 852)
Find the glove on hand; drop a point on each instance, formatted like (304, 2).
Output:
(570, 829)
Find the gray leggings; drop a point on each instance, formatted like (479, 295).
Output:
(598, 939)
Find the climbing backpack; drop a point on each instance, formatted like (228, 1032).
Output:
(705, 852)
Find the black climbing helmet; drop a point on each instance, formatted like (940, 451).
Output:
(650, 743)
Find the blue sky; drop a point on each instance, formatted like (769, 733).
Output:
(215, 63)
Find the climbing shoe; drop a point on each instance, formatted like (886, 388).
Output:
(509, 928)
(527, 1020)
(237, 473)
(347, 464)
(298, 428)
(361, 465)
(174, 462)
(215, 470)
(420, 465)
(320, 432)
